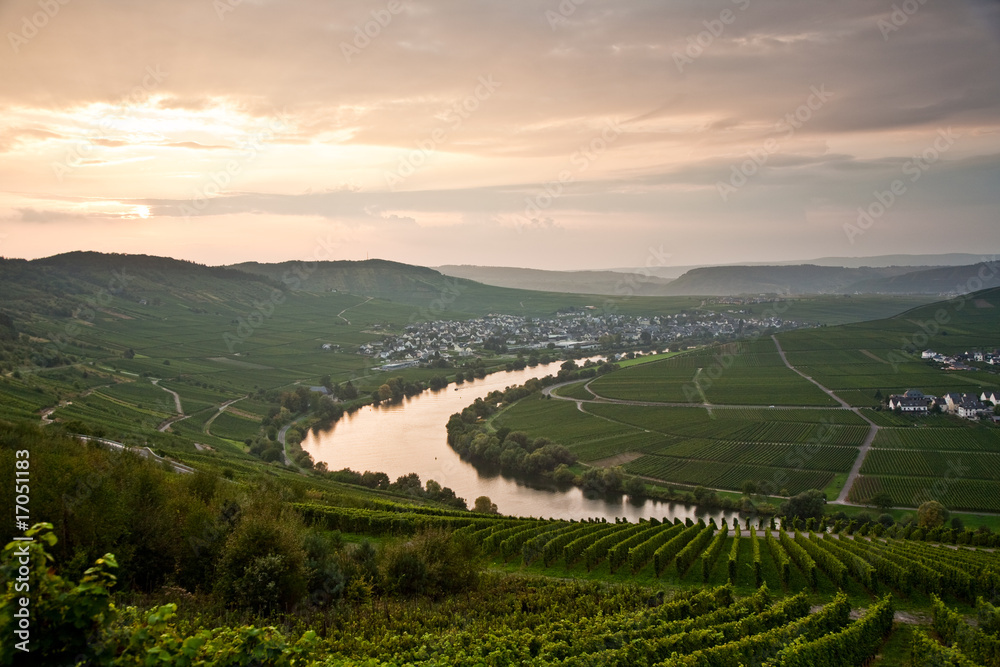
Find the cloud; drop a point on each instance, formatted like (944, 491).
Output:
(409, 93)
(32, 215)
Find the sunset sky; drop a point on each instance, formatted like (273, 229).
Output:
(547, 134)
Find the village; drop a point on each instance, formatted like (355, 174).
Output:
(576, 330)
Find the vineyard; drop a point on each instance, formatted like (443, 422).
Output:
(745, 373)
(795, 450)
(715, 474)
(690, 553)
(979, 439)
(932, 464)
(966, 494)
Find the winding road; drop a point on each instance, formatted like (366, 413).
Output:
(222, 408)
(281, 439)
(177, 406)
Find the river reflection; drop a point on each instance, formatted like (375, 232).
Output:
(410, 436)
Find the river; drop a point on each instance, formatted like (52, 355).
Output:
(410, 436)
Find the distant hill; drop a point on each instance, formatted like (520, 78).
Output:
(946, 259)
(59, 283)
(418, 286)
(572, 282)
(940, 280)
(801, 279)
(372, 277)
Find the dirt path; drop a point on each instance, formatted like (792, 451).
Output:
(222, 408)
(177, 397)
(281, 439)
(177, 406)
(548, 391)
(341, 313)
(616, 460)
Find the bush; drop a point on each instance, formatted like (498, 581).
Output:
(265, 550)
(433, 562)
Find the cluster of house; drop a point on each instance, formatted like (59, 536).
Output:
(577, 330)
(969, 406)
(961, 361)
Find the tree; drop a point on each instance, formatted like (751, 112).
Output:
(385, 392)
(408, 484)
(804, 505)
(485, 506)
(705, 497)
(881, 500)
(931, 514)
(635, 488)
(749, 487)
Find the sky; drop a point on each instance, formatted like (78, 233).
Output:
(554, 134)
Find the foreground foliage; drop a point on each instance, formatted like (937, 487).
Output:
(508, 621)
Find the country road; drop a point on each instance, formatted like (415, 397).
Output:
(177, 397)
(144, 452)
(865, 446)
(281, 439)
(162, 428)
(222, 408)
